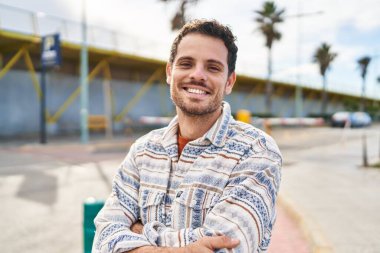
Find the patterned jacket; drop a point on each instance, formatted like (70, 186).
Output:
(225, 182)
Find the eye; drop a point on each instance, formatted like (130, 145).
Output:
(214, 68)
(184, 64)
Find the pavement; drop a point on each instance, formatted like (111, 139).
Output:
(332, 197)
(327, 203)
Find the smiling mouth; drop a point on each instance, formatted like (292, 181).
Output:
(196, 91)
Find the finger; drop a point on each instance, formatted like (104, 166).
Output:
(137, 228)
(220, 242)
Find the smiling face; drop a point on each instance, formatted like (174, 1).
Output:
(198, 76)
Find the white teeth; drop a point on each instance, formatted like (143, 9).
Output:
(196, 91)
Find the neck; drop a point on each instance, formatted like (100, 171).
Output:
(193, 127)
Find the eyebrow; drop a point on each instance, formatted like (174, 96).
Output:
(208, 61)
(185, 58)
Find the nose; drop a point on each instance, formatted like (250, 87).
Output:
(198, 73)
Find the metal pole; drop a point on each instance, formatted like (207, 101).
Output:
(43, 106)
(298, 95)
(83, 78)
(108, 107)
(298, 103)
(365, 156)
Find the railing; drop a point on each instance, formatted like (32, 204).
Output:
(40, 24)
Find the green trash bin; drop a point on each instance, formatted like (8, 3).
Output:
(91, 207)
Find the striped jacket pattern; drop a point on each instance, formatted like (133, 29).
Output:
(225, 182)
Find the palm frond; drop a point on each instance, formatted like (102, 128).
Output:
(363, 65)
(324, 57)
(268, 18)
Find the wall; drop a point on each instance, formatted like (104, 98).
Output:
(19, 106)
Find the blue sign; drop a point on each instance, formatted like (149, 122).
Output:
(51, 51)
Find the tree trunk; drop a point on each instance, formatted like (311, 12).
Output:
(268, 87)
(324, 96)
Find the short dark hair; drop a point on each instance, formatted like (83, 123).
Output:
(210, 28)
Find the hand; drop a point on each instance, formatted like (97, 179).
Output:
(137, 228)
(210, 243)
(204, 245)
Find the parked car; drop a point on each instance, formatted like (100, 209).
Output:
(352, 119)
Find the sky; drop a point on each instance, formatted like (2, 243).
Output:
(351, 27)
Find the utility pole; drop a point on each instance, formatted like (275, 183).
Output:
(83, 78)
(298, 89)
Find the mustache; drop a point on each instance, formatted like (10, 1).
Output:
(194, 82)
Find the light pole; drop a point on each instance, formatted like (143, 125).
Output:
(83, 78)
(298, 89)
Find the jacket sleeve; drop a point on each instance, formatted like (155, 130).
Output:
(246, 209)
(120, 211)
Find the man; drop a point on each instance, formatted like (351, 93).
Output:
(206, 182)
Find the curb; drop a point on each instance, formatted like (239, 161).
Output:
(310, 229)
(97, 147)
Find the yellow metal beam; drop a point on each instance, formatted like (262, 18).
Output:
(334, 99)
(311, 95)
(36, 83)
(32, 72)
(75, 93)
(156, 75)
(107, 71)
(279, 91)
(12, 62)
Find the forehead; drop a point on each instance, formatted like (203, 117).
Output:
(202, 47)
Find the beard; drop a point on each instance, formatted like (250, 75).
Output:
(191, 107)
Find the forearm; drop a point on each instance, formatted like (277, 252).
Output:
(205, 245)
(154, 249)
(160, 235)
(113, 238)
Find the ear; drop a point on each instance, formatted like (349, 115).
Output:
(168, 73)
(230, 83)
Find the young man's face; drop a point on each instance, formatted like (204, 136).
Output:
(198, 76)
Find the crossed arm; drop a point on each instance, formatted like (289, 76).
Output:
(206, 244)
(245, 211)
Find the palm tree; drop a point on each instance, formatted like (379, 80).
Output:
(180, 18)
(363, 65)
(268, 18)
(323, 56)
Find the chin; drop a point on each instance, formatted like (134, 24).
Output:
(197, 110)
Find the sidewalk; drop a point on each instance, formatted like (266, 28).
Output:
(287, 235)
(336, 198)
